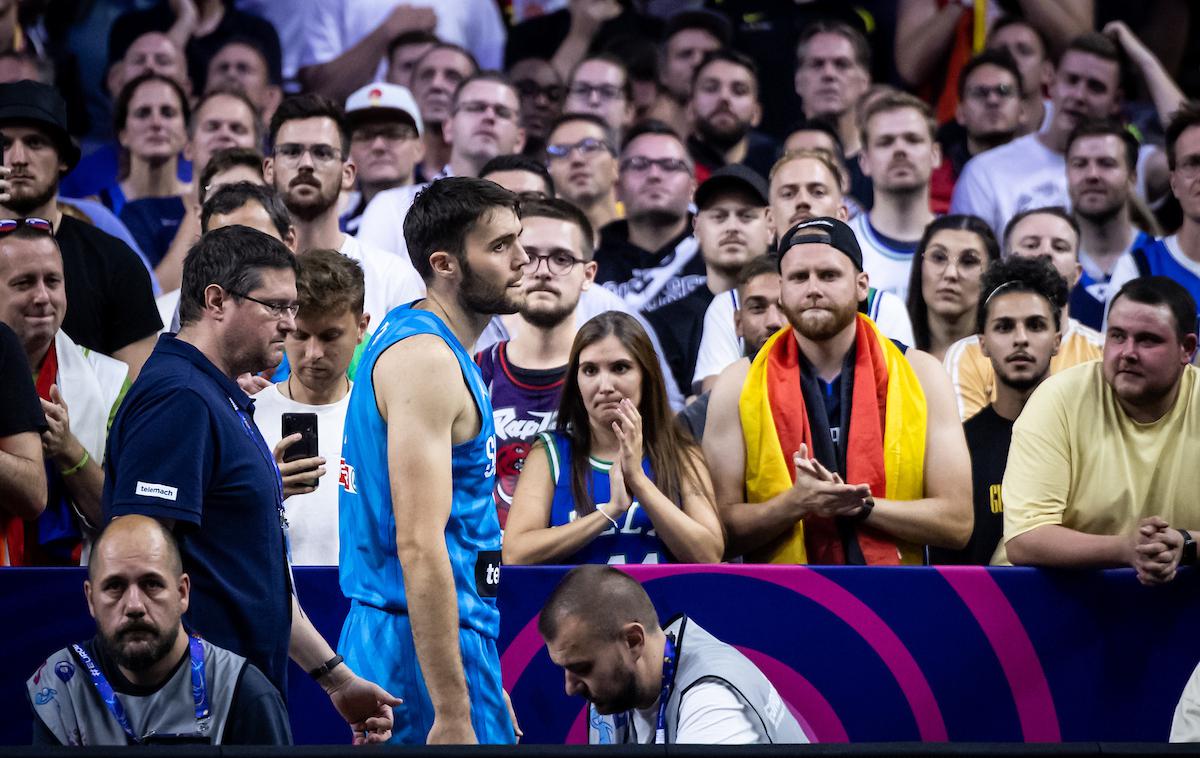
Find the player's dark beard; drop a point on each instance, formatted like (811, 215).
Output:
(477, 295)
(1102, 216)
(548, 318)
(626, 697)
(22, 204)
(143, 657)
(840, 318)
(722, 139)
(1023, 385)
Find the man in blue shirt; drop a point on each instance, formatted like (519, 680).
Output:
(184, 449)
(420, 538)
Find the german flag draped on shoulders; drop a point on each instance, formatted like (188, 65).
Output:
(885, 446)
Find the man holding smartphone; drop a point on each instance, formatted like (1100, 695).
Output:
(301, 418)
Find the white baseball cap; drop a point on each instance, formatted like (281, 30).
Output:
(383, 99)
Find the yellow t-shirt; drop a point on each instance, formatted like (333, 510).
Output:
(1078, 460)
(975, 381)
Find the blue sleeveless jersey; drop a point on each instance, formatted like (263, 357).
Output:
(1154, 259)
(370, 570)
(635, 541)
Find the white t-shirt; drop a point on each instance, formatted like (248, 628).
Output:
(888, 267)
(335, 26)
(720, 346)
(710, 713)
(312, 518)
(999, 183)
(389, 279)
(382, 221)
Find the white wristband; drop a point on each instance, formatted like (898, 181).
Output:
(605, 515)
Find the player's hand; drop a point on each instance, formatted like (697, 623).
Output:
(619, 498)
(587, 16)
(512, 714)
(1157, 550)
(628, 428)
(819, 492)
(365, 706)
(410, 18)
(57, 441)
(302, 476)
(5, 187)
(451, 732)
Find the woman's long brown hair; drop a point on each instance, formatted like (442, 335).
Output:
(672, 451)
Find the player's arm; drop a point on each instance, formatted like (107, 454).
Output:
(22, 475)
(420, 408)
(528, 537)
(944, 517)
(749, 526)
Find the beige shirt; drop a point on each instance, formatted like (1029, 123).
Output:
(1078, 460)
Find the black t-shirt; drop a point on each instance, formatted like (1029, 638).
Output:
(679, 326)
(540, 37)
(630, 271)
(110, 302)
(257, 714)
(988, 438)
(22, 408)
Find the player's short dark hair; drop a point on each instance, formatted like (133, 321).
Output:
(237, 94)
(311, 105)
(651, 126)
(225, 159)
(610, 135)
(602, 597)
(1017, 20)
(329, 283)
(1107, 128)
(232, 257)
(447, 46)
(445, 212)
(610, 58)
(757, 266)
(488, 75)
(1162, 290)
(125, 97)
(562, 210)
(1097, 44)
(229, 198)
(1049, 210)
(1019, 274)
(998, 57)
(1183, 119)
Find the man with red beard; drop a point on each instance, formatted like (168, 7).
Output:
(796, 440)
(724, 110)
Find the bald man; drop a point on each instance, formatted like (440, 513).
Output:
(663, 686)
(137, 592)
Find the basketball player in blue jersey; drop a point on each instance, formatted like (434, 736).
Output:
(420, 539)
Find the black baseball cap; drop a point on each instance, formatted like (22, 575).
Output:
(32, 102)
(824, 230)
(733, 176)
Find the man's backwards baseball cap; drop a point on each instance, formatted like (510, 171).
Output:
(823, 230)
(39, 104)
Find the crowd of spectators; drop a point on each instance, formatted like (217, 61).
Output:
(868, 283)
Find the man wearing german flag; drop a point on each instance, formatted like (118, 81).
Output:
(836, 445)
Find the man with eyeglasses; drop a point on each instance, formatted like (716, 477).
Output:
(988, 115)
(385, 144)
(650, 258)
(600, 85)
(1049, 233)
(310, 167)
(524, 374)
(184, 449)
(484, 123)
(581, 155)
(1030, 171)
(542, 93)
(1177, 255)
(796, 440)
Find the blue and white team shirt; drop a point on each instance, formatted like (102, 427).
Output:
(1090, 295)
(888, 262)
(1162, 257)
(369, 566)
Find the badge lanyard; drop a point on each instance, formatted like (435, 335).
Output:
(668, 679)
(109, 696)
(261, 446)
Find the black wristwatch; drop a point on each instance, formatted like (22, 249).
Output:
(1188, 557)
(326, 667)
(865, 512)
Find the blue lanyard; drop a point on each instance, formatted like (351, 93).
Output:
(109, 696)
(668, 679)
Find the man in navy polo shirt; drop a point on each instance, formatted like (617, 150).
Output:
(184, 449)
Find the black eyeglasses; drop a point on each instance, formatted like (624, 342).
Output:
(640, 164)
(588, 146)
(10, 225)
(275, 309)
(557, 263)
(527, 88)
(982, 91)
